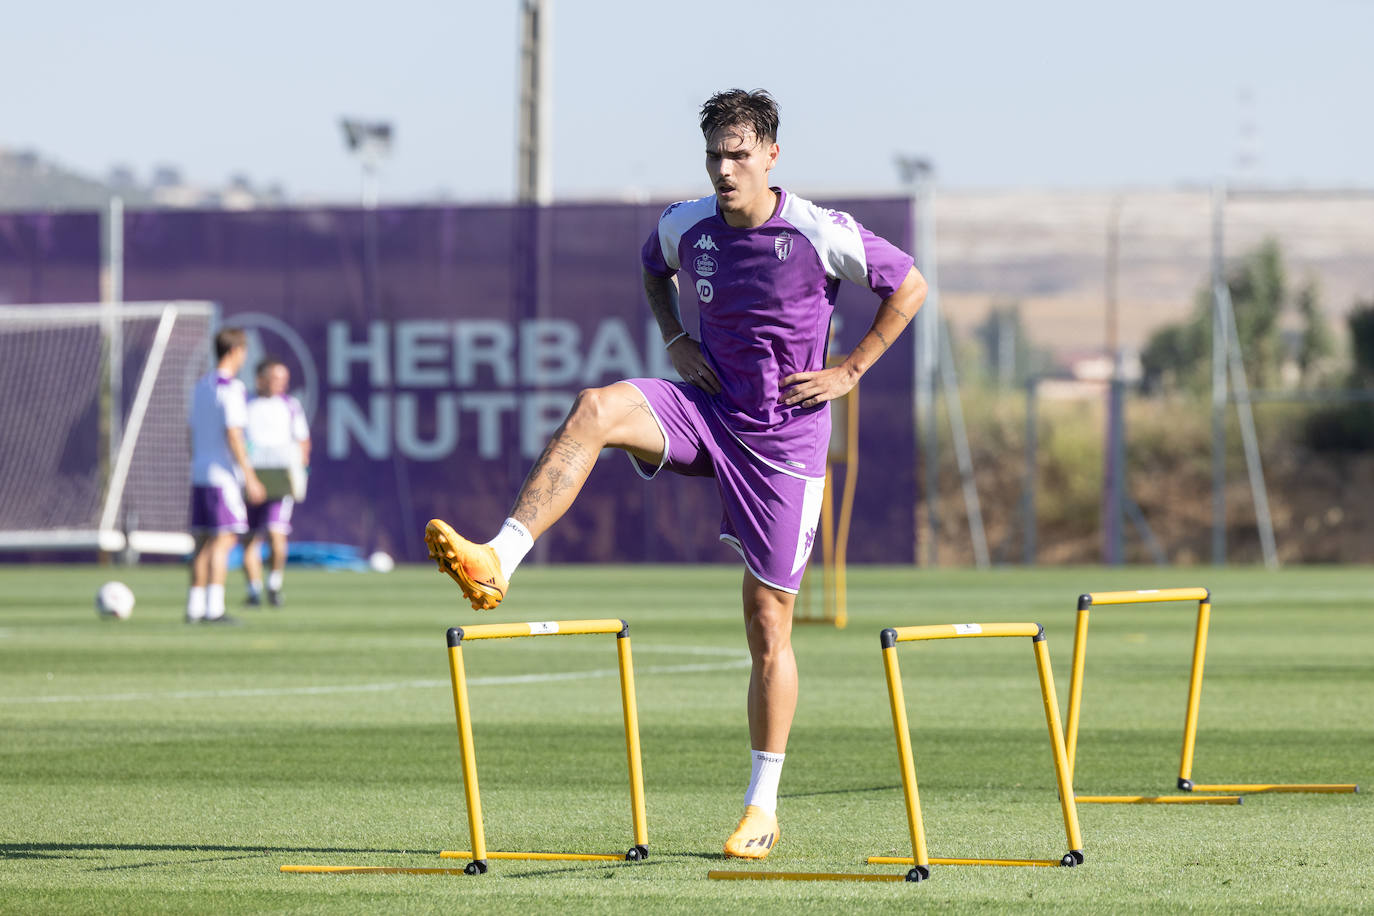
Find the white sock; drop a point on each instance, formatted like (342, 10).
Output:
(275, 579)
(255, 588)
(195, 603)
(214, 602)
(511, 544)
(763, 781)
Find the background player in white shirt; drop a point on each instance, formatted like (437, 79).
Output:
(220, 477)
(278, 437)
(752, 410)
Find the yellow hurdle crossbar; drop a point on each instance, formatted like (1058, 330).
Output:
(945, 860)
(478, 853)
(1159, 799)
(722, 875)
(537, 856)
(367, 870)
(1330, 788)
(1185, 768)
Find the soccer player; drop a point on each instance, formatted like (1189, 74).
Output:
(220, 477)
(278, 437)
(751, 410)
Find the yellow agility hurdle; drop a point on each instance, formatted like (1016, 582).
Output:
(478, 853)
(921, 860)
(1080, 641)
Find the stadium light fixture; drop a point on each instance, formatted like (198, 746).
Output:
(370, 141)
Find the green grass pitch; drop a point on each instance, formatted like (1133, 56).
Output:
(148, 766)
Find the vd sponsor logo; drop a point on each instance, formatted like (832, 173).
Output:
(705, 292)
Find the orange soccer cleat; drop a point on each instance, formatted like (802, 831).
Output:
(755, 836)
(473, 566)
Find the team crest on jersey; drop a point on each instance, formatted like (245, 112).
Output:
(782, 246)
(705, 265)
(705, 243)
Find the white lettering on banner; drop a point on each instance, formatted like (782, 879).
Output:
(474, 364)
(471, 353)
(483, 342)
(418, 342)
(548, 351)
(489, 405)
(373, 430)
(542, 413)
(397, 420)
(373, 352)
(612, 354)
(445, 439)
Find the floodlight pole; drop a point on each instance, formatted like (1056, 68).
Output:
(534, 164)
(1113, 484)
(536, 112)
(1220, 393)
(916, 174)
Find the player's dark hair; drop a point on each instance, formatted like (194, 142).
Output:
(266, 364)
(227, 339)
(736, 108)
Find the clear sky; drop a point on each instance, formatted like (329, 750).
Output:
(1078, 93)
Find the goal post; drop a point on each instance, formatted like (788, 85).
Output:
(95, 452)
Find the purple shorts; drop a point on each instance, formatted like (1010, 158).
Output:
(218, 510)
(769, 513)
(273, 515)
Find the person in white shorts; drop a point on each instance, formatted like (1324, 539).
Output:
(220, 477)
(278, 437)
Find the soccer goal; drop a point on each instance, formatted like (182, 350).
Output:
(95, 453)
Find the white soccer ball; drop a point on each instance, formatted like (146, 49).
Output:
(115, 599)
(381, 561)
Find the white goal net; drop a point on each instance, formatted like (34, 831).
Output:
(94, 448)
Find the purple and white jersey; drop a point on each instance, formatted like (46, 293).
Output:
(217, 404)
(766, 297)
(276, 429)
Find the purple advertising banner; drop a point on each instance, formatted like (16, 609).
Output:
(435, 349)
(49, 257)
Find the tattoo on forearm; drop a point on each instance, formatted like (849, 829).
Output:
(890, 306)
(662, 296)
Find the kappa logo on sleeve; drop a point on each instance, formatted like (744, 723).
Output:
(705, 243)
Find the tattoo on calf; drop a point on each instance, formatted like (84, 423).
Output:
(563, 466)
